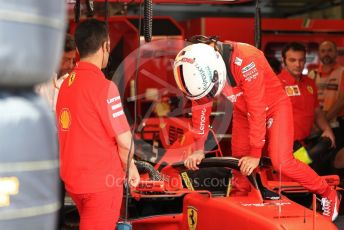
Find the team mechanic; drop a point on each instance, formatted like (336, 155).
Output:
(261, 108)
(302, 93)
(306, 108)
(94, 134)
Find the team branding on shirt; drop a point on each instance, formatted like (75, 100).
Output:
(71, 78)
(117, 114)
(238, 61)
(269, 123)
(248, 67)
(111, 100)
(65, 119)
(292, 90)
(202, 123)
(250, 72)
(310, 89)
(116, 106)
(233, 98)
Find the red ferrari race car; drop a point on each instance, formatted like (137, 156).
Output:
(172, 197)
(204, 200)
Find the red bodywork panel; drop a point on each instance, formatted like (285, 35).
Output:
(248, 213)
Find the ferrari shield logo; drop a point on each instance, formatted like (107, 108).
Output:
(310, 89)
(71, 78)
(192, 217)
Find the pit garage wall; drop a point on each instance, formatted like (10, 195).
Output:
(273, 31)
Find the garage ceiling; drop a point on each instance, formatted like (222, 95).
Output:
(269, 8)
(188, 9)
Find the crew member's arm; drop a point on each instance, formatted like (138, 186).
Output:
(324, 126)
(338, 106)
(201, 110)
(116, 125)
(125, 147)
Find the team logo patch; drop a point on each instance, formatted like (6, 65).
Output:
(192, 217)
(248, 67)
(238, 61)
(111, 100)
(65, 119)
(251, 74)
(292, 90)
(71, 78)
(310, 89)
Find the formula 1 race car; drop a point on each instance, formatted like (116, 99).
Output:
(171, 197)
(184, 202)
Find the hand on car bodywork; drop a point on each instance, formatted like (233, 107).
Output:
(194, 160)
(248, 164)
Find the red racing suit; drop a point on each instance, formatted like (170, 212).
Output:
(261, 110)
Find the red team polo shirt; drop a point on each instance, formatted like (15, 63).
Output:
(303, 96)
(90, 116)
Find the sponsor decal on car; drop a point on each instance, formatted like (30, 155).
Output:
(265, 204)
(187, 181)
(192, 217)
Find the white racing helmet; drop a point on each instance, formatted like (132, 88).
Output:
(199, 71)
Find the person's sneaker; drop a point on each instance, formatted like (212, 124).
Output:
(330, 205)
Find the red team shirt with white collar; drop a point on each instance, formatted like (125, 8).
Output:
(90, 116)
